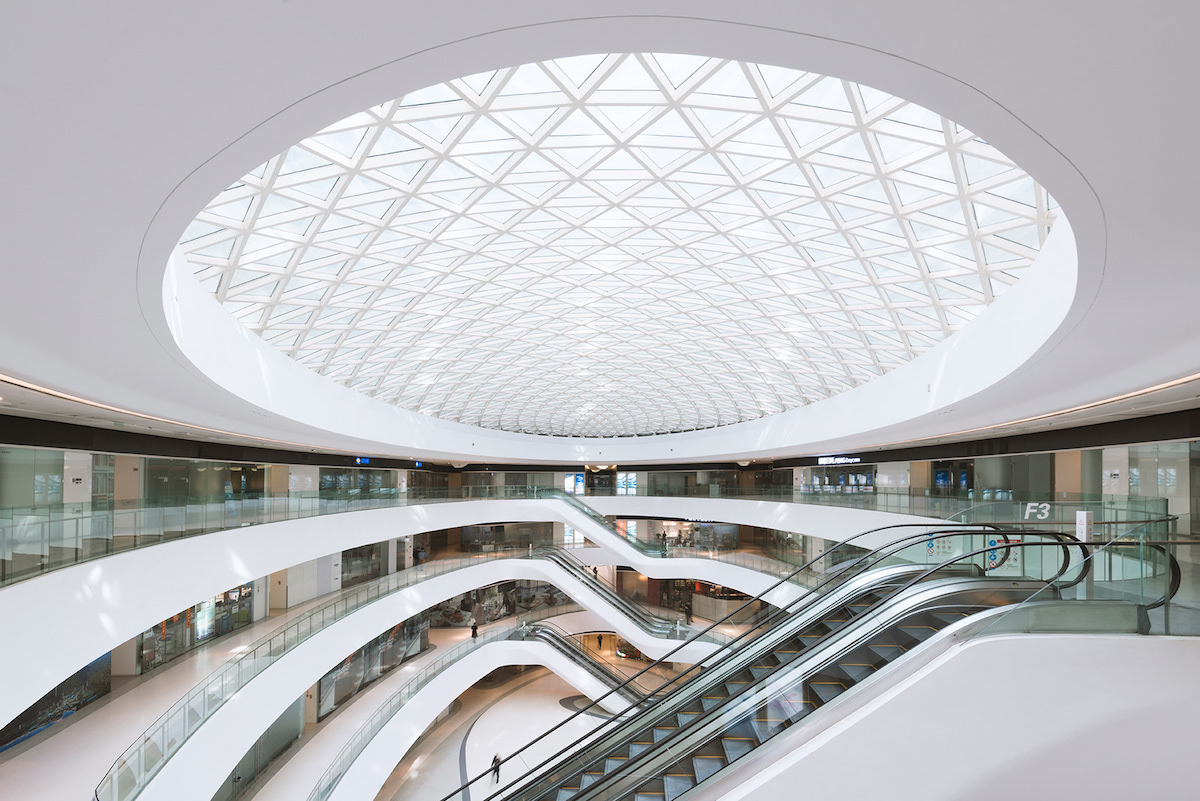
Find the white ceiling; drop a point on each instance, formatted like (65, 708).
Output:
(120, 132)
(620, 245)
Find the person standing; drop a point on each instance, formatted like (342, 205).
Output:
(474, 631)
(496, 769)
(599, 642)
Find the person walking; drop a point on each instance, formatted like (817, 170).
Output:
(474, 631)
(496, 769)
(599, 642)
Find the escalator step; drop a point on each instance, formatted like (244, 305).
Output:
(648, 795)
(903, 638)
(676, 784)
(637, 748)
(614, 763)
(887, 651)
(650, 791)
(565, 793)
(709, 701)
(856, 671)
(742, 728)
(686, 717)
(919, 631)
(661, 732)
(862, 655)
(765, 728)
(737, 747)
(589, 778)
(706, 766)
(759, 671)
(800, 711)
(826, 691)
(833, 672)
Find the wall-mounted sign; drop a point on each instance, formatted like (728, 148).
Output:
(361, 460)
(839, 459)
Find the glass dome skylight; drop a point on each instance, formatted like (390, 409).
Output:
(616, 245)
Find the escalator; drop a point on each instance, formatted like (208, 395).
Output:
(788, 663)
(731, 708)
(661, 623)
(566, 645)
(730, 720)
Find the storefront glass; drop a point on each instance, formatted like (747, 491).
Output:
(363, 564)
(211, 618)
(485, 539)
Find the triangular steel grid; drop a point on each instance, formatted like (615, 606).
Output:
(620, 245)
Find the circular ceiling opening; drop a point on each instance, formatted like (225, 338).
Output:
(621, 244)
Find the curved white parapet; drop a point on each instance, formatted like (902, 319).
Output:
(88, 609)
(213, 750)
(367, 774)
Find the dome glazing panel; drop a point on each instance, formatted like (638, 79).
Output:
(619, 245)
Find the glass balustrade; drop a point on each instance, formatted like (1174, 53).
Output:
(37, 539)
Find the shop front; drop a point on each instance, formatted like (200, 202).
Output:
(211, 618)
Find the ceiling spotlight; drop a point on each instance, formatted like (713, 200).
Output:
(744, 463)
